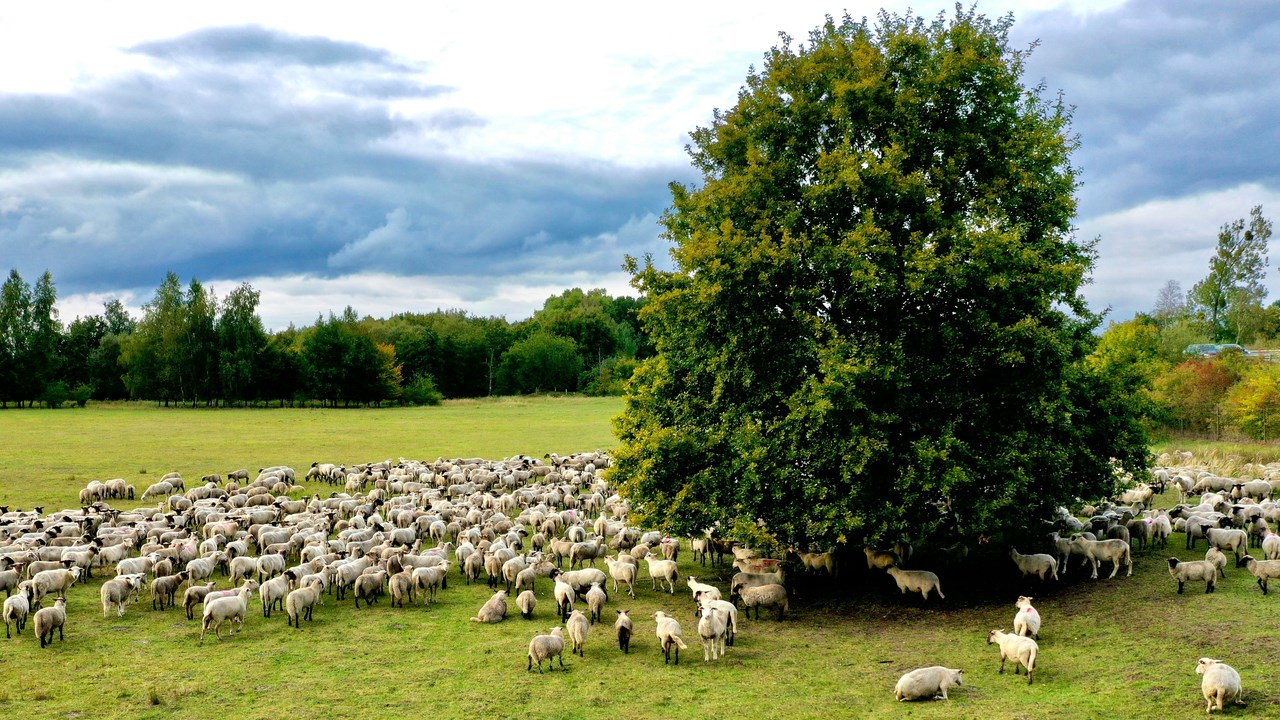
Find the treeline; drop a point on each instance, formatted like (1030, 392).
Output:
(190, 347)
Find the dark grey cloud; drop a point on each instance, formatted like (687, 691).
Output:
(253, 44)
(1172, 98)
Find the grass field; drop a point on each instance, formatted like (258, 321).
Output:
(1110, 647)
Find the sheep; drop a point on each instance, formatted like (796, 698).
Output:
(931, 682)
(1194, 570)
(9, 580)
(1022, 650)
(56, 580)
(368, 586)
(1215, 556)
(622, 627)
(596, 597)
(701, 590)
(774, 596)
(663, 570)
(119, 590)
(880, 559)
(493, 611)
(1263, 570)
(668, 631)
(230, 609)
(430, 579)
(547, 647)
(1026, 622)
(565, 598)
(50, 619)
(16, 609)
(1271, 546)
(300, 603)
(400, 585)
(921, 581)
(1040, 565)
(164, 589)
(526, 601)
(273, 592)
(1161, 530)
(1227, 539)
(712, 629)
(195, 595)
(577, 627)
(623, 572)
(728, 612)
(1221, 683)
(1113, 551)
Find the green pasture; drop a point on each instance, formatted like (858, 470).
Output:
(1108, 647)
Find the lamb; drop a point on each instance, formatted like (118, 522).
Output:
(119, 590)
(493, 611)
(1221, 683)
(1027, 620)
(931, 682)
(547, 647)
(1040, 565)
(921, 581)
(712, 629)
(50, 619)
(300, 603)
(195, 595)
(1194, 570)
(774, 596)
(164, 589)
(663, 570)
(226, 609)
(1022, 650)
(577, 627)
(526, 601)
(1114, 551)
(668, 630)
(622, 627)
(596, 597)
(1263, 570)
(16, 609)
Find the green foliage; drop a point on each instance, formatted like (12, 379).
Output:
(421, 390)
(1193, 392)
(240, 341)
(80, 394)
(541, 362)
(874, 329)
(55, 395)
(1254, 402)
(609, 377)
(1228, 299)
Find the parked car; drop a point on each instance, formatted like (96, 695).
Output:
(1232, 347)
(1201, 349)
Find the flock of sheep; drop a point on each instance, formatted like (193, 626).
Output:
(1230, 515)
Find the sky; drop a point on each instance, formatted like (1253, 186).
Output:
(405, 157)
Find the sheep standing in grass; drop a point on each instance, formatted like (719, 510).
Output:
(194, 596)
(119, 590)
(668, 630)
(1271, 546)
(577, 627)
(526, 601)
(50, 619)
(1219, 560)
(880, 559)
(921, 581)
(493, 611)
(728, 613)
(1041, 565)
(1263, 570)
(547, 647)
(622, 627)
(712, 629)
(931, 683)
(596, 597)
(663, 570)
(1027, 620)
(301, 603)
(231, 609)
(623, 572)
(16, 609)
(1224, 539)
(1097, 551)
(774, 596)
(1022, 650)
(1185, 572)
(1220, 684)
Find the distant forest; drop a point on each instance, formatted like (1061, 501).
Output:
(192, 348)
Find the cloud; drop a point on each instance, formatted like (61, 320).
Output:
(254, 44)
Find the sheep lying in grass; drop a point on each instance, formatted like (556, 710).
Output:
(493, 611)
(931, 683)
(16, 609)
(921, 581)
(1027, 620)
(1185, 572)
(1041, 565)
(1221, 683)
(1263, 570)
(119, 590)
(668, 630)
(1096, 551)
(1022, 650)
(50, 619)
(622, 627)
(547, 647)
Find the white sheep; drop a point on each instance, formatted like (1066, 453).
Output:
(1184, 572)
(1219, 560)
(663, 570)
(300, 603)
(230, 609)
(1232, 539)
(596, 598)
(119, 590)
(701, 590)
(880, 559)
(526, 601)
(1041, 565)
(774, 596)
(1022, 650)
(712, 629)
(623, 572)
(1263, 570)
(1271, 546)
(493, 611)
(1096, 551)
(50, 619)
(1220, 683)
(1027, 620)
(622, 627)
(577, 627)
(931, 683)
(921, 581)
(547, 647)
(16, 609)
(668, 630)
(729, 613)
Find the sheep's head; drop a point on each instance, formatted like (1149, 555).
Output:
(1203, 664)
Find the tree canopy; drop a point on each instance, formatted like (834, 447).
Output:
(874, 328)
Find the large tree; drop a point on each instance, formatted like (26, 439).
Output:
(1229, 298)
(874, 328)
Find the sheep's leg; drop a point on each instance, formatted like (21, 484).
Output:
(1179, 587)
(1002, 662)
